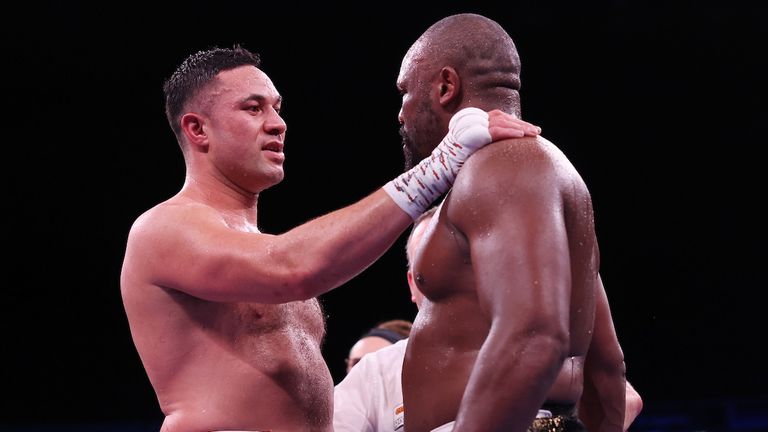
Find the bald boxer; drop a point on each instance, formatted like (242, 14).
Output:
(514, 317)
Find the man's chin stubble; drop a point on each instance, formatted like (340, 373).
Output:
(408, 156)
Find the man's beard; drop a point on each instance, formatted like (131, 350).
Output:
(421, 133)
(407, 149)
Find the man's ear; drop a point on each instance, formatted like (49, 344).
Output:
(411, 285)
(193, 130)
(449, 87)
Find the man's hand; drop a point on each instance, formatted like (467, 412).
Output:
(468, 130)
(502, 126)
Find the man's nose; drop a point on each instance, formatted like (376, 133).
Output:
(275, 124)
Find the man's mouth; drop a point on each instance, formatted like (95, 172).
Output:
(273, 146)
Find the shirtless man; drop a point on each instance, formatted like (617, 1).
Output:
(370, 397)
(509, 264)
(223, 316)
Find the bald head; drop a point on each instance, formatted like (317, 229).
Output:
(482, 53)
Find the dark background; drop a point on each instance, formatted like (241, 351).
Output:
(661, 107)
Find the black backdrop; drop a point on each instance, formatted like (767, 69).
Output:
(660, 107)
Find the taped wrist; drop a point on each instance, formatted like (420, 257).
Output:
(416, 189)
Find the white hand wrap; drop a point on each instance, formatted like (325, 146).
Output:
(416, 189)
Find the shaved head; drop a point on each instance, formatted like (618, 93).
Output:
(460, 61)
(482, 53)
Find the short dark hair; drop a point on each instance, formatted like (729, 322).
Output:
(195, 72)
(392, 330)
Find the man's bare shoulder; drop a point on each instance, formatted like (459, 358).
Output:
(163, 240)
(520, 151)
(510, 175)
(171, 213)
(507, 163)
(168, 226)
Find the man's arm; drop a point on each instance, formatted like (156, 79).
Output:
(190, 248)
(604, 401)
(512, 218)
(634, 405)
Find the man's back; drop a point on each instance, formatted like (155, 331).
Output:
(217, 365)
(509, 269)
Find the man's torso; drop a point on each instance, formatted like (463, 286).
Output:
(228, 365)
(451, 326)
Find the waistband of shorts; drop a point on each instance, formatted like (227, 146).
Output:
(568, 410)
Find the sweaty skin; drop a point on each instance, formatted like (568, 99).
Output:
(224, 317)
(508, 267)
(251, 361)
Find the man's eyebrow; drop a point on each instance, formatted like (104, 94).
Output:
(261, 99)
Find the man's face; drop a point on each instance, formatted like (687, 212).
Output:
(245, 130)
(420, 128)
(416, 136)
(365, 346)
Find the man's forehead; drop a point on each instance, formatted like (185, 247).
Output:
(247, 79)
(411, 61)
(406, 71)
